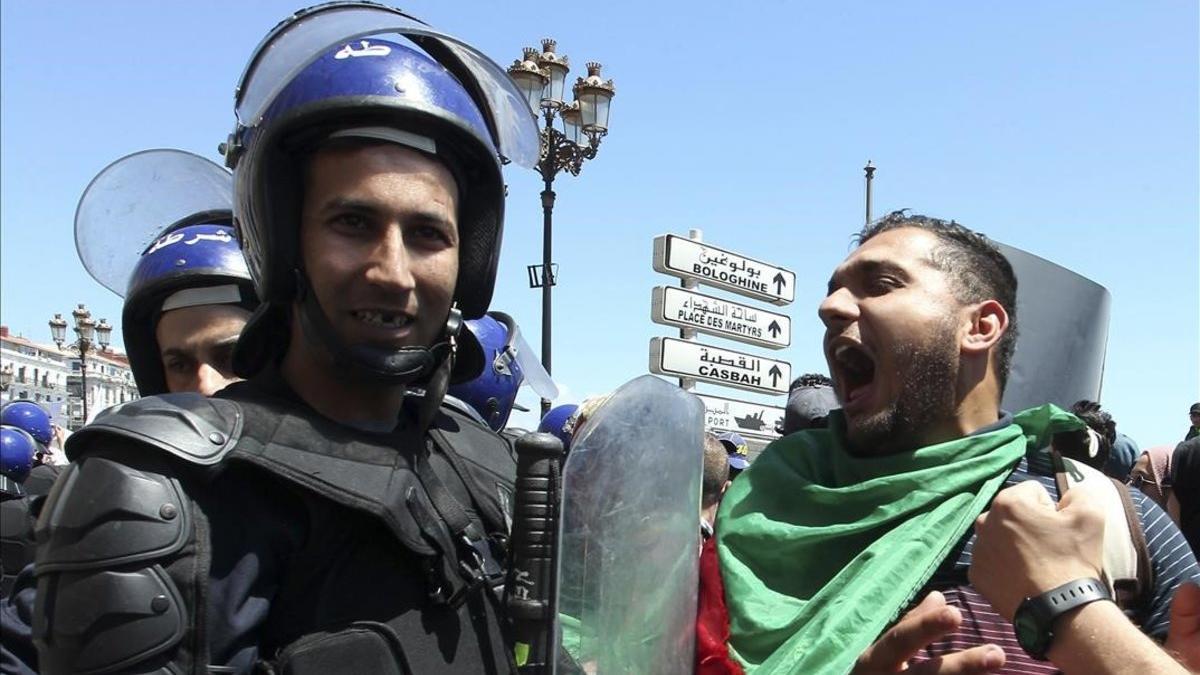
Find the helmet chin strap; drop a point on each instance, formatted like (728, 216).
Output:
(403, 366)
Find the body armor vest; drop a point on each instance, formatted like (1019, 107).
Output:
(376, 552)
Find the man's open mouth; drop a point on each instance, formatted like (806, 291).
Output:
(854, 371)
(383, 319)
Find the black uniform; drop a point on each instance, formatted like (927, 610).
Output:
(224, 532)
(17, 516)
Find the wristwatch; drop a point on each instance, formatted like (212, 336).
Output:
(1035, 617)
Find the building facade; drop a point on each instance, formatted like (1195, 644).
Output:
(53, 378)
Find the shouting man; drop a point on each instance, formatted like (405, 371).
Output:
(833, 533)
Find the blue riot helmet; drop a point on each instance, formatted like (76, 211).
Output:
(17, 450)
(508, 362)
(30, 418)
(555, 422)
(338, 70)
(155, 227)
(186, 267)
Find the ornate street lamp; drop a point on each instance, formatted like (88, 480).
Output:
(88, 333)
(6, 376)
(542, 79)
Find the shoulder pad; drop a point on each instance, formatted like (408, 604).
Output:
(189, 426)
(458, 405)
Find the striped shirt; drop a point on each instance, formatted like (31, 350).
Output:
(1170, 556)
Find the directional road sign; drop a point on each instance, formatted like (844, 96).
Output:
(681, 257)
(687, 309)
(749, 419)
(683, 358)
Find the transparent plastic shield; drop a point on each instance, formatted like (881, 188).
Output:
(300, 40)
(630, 533)
(531, 368)
(129, 204)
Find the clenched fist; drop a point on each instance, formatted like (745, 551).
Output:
(1026, 546)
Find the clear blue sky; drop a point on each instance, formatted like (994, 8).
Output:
(1069, 129)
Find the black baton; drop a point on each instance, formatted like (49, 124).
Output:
(532, 585)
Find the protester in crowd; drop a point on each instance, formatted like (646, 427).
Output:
(717, 470)
(1091, 445)
(357, 524)
(1184, 501)
(737, 451)
(810, 398)
(587, 409)
(1122, 451)
(1193, 417)
(1151, 474)
(829, 534)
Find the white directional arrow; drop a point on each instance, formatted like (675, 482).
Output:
(682, 358)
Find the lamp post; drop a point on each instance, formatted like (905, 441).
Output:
(542, 79)
(869, 170)
(6, 376)
(87, 331)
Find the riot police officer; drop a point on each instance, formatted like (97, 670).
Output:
(187, 292)
(17, 450)
(187, 296)
(327, 514)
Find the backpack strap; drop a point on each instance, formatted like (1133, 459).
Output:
(1137, 595)
(1126, 562)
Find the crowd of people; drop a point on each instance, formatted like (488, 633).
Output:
(321, 476)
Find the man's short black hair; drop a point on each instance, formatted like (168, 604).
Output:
(1097, 419)
(811, 380)
(979, 270)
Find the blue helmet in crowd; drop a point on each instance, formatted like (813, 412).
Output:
(325, 73)
(192, 265)
(508, 362)
(155, 227)
(17, 450)
(30, 418)
(555, 422)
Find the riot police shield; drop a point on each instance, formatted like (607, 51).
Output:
(1063, 322)
(630, 533)
(134, 200)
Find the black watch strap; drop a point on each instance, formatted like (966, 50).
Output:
(1035, 617)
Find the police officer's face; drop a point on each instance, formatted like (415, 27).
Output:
(196, 346)
(379, 240)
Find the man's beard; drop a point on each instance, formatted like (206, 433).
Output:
(927, 398)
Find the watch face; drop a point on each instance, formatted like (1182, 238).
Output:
(1032, 638)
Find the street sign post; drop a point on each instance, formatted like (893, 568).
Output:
(705, 363)
(744, 417)
(672, 306)
(712, 266)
